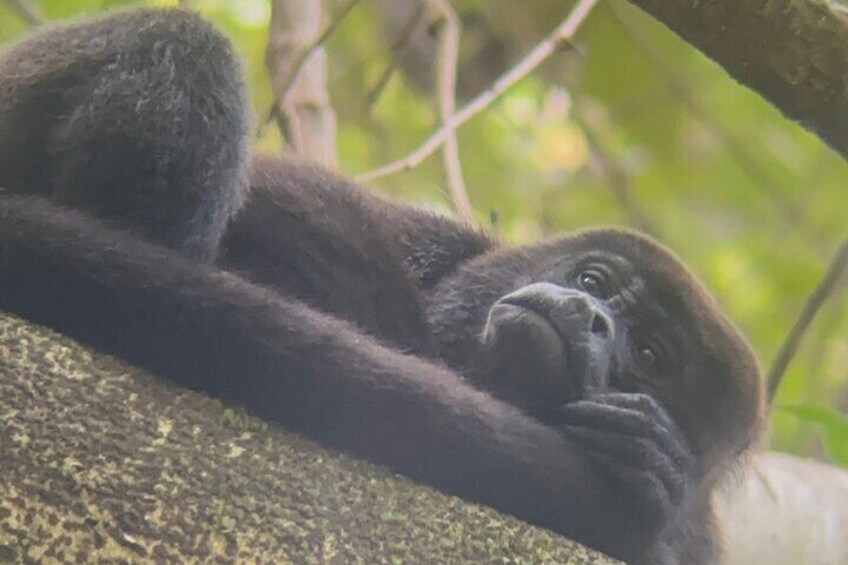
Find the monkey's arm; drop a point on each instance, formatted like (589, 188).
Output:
(210, 330)
(345, 250)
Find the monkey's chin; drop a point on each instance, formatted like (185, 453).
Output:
(526, 360)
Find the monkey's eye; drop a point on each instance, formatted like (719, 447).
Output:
(595, 283)
(650, 356)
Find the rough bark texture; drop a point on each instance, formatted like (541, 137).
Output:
(100, 462)
(792, 52)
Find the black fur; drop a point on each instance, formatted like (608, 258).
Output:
(356, 255)
(157, 93)
(354, 320)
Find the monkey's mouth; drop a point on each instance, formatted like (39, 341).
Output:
(542, 356)
(534, 315)
(512, 318)
(526, 358)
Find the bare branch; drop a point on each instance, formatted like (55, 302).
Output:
(616, 178)
(328, 31)
(27, 12)
(792, 52)
(297, 65)
(561, 35)
(398, 48)
(447, 61)
(282, 91)
(815, 301)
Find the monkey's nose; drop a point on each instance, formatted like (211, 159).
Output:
(600, 326)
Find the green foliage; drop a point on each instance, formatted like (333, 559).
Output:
(834, 428)
(753, 203)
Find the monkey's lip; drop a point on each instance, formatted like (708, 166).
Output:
(531, 356)
(575, 357)
(533, 310)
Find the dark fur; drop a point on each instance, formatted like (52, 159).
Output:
(140, 119)
(80, 105)
(358, 256)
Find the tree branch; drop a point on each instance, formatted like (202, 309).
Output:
(561, 35)
(27, 12)
(617, 179)
(447, 61)
(397, 49)
(764, 180)
(792, 52)
(815, 301)
(129, 468)
(301, 103)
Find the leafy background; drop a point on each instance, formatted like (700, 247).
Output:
(753, 203)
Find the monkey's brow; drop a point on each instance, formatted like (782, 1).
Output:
(646, 312)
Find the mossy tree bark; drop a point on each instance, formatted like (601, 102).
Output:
(101, 462)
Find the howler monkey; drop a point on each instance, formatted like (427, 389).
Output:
(587, 383)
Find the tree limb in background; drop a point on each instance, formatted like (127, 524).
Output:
(792, 52)
(27, 12)
(764, 180)
(397, 49)
(558, 37)
(614, 175)
(815, 301)
(446, 65)
(297, 65)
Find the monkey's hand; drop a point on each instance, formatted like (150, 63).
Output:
(634, 441)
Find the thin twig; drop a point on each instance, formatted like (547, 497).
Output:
(617, 179)
(561, 35)
(397, 49)
(811, 307)
(284, 89)
(27, 12)
(328, 31)
(447, 61)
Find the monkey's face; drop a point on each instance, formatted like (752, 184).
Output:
(601, 311)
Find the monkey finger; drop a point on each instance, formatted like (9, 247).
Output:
(638, 455)
(629, 423)
(636, 401)
(660, 494)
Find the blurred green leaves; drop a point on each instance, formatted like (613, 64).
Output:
(833, 426)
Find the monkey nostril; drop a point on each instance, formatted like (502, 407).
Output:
(600, 326)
